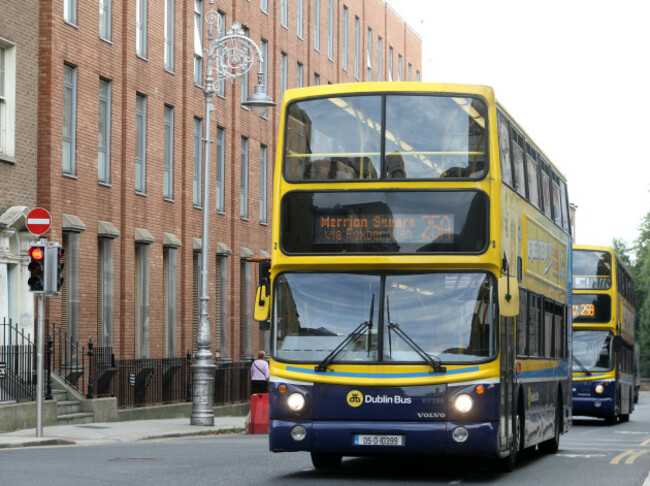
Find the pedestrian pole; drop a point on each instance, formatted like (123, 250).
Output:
(39, 365)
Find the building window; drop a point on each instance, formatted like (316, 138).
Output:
(264, 6)
(300, 16)
(198, 42)
(410, 72)
(390, 63)
(399, 67)
(169, 300)
(380, 64)
(245, 301)
(221, 85)
(263, 185)
(330, 30)
(70, 289)
(104, 136)
(221, 300)
(141, 28)
(106, 290)
(345, 38)
(244, 80)
(7, 100)
(168, 162)
(284, 66)
(243, 198)
(369, 56)
(316, 79)
(221, 169)
(105, 10)
(140, 143)
(169, 35)
(197, 159)
(417, 75)
(70, 11)
(142, 300)
(69, 118)
(284, 13)
(357, 47)
(317, 25)
(299, 75)
(264, 46)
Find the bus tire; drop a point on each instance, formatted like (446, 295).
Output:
(552, 445)
(325, 460)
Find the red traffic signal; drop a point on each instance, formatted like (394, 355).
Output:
(36, 269)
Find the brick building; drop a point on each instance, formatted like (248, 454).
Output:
(18, 149)
(120, 126)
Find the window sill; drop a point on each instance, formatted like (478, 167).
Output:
(8, 159)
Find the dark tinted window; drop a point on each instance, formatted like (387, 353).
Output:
(384, 222)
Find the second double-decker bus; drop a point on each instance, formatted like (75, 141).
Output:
(419, 277)
(603, 335)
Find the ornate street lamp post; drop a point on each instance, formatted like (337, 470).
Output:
(228, 57)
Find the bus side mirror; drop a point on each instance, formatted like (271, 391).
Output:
(262, 302)
(508, 297)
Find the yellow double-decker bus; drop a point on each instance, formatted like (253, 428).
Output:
(603, 335)
(420, 238)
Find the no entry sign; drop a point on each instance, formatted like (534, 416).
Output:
(39, 221)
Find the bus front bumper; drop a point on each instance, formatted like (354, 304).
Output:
(593, 407)
(342, 437)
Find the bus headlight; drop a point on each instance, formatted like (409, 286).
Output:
(296, 402)
(463, 403)
(599, 389)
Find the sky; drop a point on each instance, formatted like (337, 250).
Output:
(575, 76)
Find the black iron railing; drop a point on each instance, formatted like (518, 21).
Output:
(68, 359)
(17, 364)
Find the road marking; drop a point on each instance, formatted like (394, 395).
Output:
(618, 458)
(586, 456)
(632, 458)
(645, 442)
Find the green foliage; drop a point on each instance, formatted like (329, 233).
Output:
(641, 273)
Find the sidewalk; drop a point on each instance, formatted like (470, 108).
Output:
(115, 432)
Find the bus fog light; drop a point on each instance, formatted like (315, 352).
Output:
(599, 389)
(298, 433)
(296, 402)
(464, 403)
(598, 404)
(460, 434)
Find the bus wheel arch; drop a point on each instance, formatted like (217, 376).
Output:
(552, 445)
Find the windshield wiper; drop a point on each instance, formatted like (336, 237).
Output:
(361, 328)
(583, 367)
(437, 368)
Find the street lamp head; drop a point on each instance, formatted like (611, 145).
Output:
(259, 101)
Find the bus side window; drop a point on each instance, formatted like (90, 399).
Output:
(518, 158)
(546, 191)
(522, 321)
(504, 148)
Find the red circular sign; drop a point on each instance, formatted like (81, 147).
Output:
(39, 221)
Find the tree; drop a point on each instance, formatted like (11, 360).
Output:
(641, 274)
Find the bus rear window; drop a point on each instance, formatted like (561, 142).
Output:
(395, 136)
(384, 222)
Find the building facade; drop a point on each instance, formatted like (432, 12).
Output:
(118, 163)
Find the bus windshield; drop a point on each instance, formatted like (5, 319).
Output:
(393, 136)
(449, 316)
(592, 270)
(592, 349)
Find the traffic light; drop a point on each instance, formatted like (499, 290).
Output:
(59, 269)
(36, 268)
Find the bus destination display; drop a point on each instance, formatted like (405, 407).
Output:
(379, 228)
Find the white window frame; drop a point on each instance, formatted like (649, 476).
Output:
(140, 144)
(105, 14)
(390, 63)
(345, 38)
(357, 47)
(400, 65)
(221, 171)
(284, 13)
(104, 169)
(198, 42)
(284, 67)
(299, 75)
(244, 80)
(299, 18)
(369, 56)
(221, 84)
(330, 30)
(243, 195)
(317, 25)
(141, 28)
(7, 101)
(197, 163)
(168, 157)
(264, 6)
(69, 134)
(170, 20)
(70, 11)
(263, 184)
(380, 64)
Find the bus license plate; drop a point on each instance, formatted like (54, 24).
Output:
(378, 440)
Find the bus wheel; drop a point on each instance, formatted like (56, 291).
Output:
(551, 446)
(325, 460)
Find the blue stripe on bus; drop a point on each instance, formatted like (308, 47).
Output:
(381, 375)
